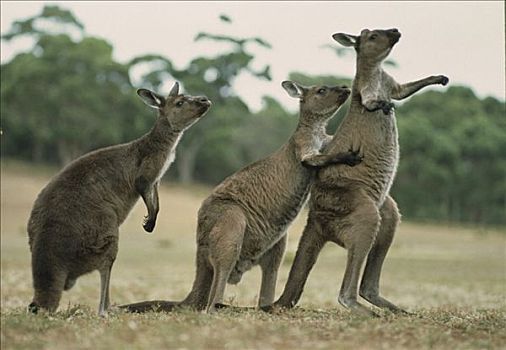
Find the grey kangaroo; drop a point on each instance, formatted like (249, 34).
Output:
(243, 222)
(352, 206)
(73, 226)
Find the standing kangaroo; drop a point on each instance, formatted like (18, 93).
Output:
(352, 206)
(73, 226)
(243, 222)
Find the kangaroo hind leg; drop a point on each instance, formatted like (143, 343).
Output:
(48, 283)
(269, 263)
(225, 242)
(369, 288)
(310, 246)
(358, 235)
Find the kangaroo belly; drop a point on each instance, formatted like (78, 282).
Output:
(251, 253)
(267, 224)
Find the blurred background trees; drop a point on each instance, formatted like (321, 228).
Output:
(67, 96)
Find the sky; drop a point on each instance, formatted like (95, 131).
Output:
(463, 40)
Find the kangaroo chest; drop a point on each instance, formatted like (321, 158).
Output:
(169, 156)
(382, 162)
(376, 136)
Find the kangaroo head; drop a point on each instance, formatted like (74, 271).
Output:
(181, 111)
(320, 102)
(370, 45)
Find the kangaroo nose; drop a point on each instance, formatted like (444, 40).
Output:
(394, 35)
(203, 99)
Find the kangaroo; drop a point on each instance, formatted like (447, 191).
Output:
(243, 222)
(74, 223)
(352, 206)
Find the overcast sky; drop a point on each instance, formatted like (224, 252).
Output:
(463, 40)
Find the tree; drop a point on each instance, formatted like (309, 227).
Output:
(208, 143)
(453, 157)
(66, 96)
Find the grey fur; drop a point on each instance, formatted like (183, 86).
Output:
(73, 226)
(243, 222)
(352, 206)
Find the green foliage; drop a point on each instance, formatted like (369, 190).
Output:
(67, 96)
(211, 149)
(52, 13)
(453, 157)
(225, 18)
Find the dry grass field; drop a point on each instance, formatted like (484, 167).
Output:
(452, 278)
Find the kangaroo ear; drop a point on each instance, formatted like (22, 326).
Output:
(151, 98)
(345, 39)
(175, 90)
(293, 89)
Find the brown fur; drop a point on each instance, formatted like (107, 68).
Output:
(243, 222)
(73, 226)
(352, 206)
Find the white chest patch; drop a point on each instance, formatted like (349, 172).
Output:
(171, 156)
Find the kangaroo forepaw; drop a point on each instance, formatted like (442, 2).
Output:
(382, 105)
(443, 80)
(386, 107)
(149, 224)
(353, 158)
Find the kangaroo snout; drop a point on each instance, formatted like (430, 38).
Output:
(203, 100)
(204, 104)
(343, 92)
(394, 35)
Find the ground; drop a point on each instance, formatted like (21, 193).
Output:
(452, 278)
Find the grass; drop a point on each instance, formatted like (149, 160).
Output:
(451, 278)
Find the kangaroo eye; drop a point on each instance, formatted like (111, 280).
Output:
(321, 91)
(179, 103)
(372, 37)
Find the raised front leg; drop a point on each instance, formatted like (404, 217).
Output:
(350, 158)
(405, 90)
(310, 246)
(269, 263)
(149, 193)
